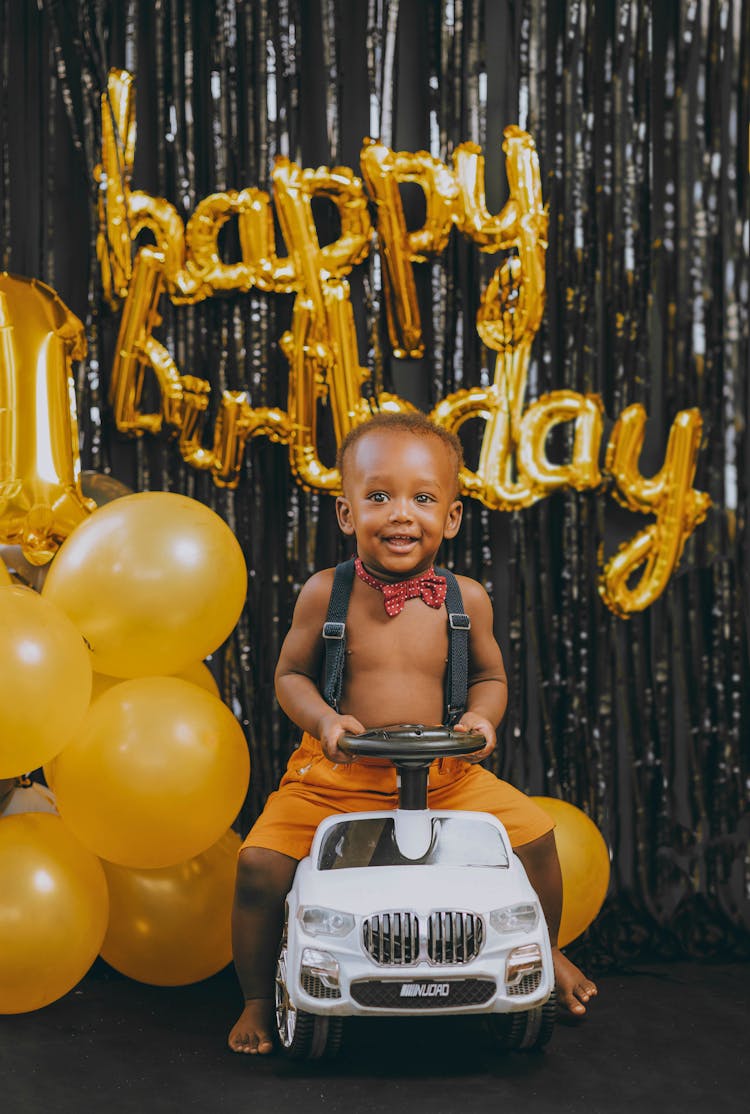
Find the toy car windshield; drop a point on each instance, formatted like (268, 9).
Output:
(372, 842)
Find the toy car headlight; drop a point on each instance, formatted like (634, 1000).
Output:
(515, 918)
(325, 922)
(319, 965)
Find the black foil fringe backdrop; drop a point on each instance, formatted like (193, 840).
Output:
(640, 115)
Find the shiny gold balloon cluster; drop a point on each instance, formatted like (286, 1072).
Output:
(103, 684)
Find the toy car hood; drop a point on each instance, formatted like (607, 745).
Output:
(414, 887)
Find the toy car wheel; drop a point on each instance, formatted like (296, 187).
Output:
(302, 1035)
(527, 1031)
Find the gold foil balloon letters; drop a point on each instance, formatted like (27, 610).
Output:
(514, 469)
(669, 495)
(40, 495)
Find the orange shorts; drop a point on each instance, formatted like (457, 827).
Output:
(313, 788)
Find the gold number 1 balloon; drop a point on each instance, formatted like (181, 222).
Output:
(40, 497)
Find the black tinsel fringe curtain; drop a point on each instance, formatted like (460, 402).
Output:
(639, 110)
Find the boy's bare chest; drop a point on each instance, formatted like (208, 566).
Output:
(413, 642)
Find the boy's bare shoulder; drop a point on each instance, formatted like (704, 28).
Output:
(315, 592)
(473, 594)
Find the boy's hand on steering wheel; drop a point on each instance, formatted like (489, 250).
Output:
(472, 721)
(330, 729)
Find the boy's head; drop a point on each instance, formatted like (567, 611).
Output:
(400, 481)
(409, 421)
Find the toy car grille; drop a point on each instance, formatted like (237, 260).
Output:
(454, 937)
(526, 985)
(392, 938)
(313, 986)
(392, 994)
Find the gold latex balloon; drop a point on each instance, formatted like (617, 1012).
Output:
(48, 769)
(40, 497)
(45, 680)
(157, 772)
(197, 674)
(154, 581)
(5, 577)
(172, 926)
(584, 862)
(53, 911)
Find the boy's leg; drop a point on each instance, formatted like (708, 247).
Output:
(264, 878)
(543, 868)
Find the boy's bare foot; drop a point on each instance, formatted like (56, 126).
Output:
(573, 988)
(254, 1028)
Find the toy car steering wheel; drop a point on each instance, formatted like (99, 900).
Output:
(412, 748)
(412, 743)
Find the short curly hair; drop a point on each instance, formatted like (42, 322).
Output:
(404, 421)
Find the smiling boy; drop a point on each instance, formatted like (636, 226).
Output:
(400, 483)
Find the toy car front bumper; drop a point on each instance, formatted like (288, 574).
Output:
(361, 990)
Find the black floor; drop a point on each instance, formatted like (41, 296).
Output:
(671, 1038)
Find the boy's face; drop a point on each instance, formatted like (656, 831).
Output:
(399, 501)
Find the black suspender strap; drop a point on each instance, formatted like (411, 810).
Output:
(334, 636)
(457, 673)
(334, 633)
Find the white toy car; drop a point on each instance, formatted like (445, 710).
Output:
(394, 913)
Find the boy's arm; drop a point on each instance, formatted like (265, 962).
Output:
(488, 687)
(299, 667)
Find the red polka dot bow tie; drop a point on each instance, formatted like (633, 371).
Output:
(430, 587)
